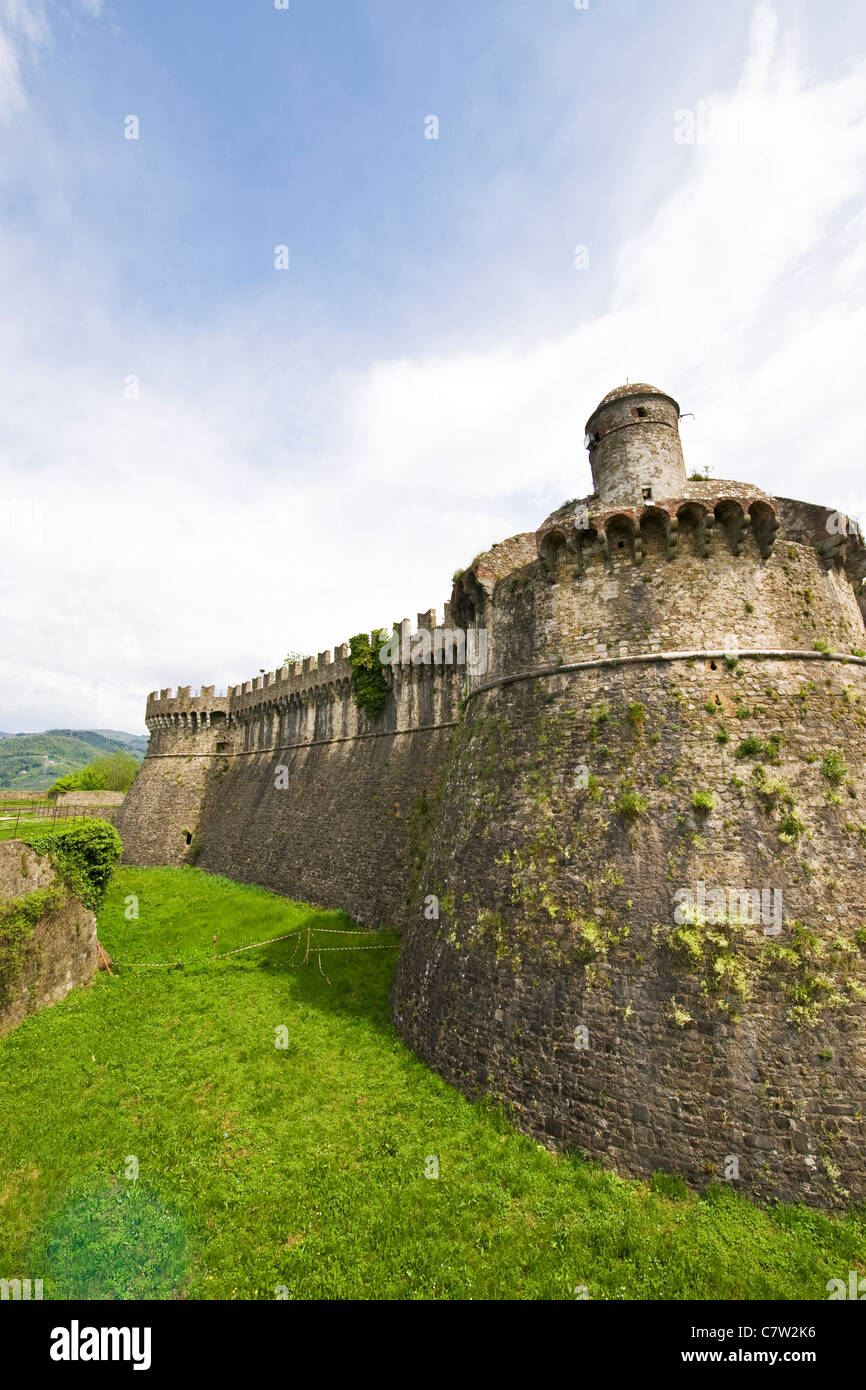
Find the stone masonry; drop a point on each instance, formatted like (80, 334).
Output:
(627, 854)
(62, 951)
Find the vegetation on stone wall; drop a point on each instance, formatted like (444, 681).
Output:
(814, 973)
(84, 857)
(371, 687)
(18, 918)
(422, 822)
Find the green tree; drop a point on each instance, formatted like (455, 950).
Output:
(114, 773)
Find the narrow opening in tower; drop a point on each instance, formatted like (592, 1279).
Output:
(187, 835)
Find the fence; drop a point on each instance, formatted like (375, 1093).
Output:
(13, 815)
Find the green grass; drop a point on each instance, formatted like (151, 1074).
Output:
(303, 1167)
(30, 827)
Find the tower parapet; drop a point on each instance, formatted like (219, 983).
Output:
(633, 438)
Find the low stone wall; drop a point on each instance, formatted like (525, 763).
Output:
(96, 805)
(60, 954)
(92, 799)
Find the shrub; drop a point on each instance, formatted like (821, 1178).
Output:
(702, 802)
(114, 773)
(833, 767)
(371, 687)
(84, 857)
(630, 805)
(749, 748)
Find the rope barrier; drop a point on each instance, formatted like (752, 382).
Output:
(223, 955)
(355, 948)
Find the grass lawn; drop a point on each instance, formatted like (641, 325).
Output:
(304, 1167)
(13, 828)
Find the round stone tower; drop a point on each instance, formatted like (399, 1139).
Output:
(642, 917)
(633, 437)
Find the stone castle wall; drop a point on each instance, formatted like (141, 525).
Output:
(286, 783)
(674, 700)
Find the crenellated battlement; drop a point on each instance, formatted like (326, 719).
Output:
(705, 519)
(418, 652)
(712, 516)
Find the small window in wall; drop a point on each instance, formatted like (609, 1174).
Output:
(187, 835)
(641, 412)
(647, 494)
(223, 747)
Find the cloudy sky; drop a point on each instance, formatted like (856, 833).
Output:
(207, 460)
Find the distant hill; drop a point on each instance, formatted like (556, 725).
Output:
(32, 762)
(106, 740)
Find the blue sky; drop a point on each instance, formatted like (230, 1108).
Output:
(313, 451)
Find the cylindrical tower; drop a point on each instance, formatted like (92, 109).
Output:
(642, 918)
(633, 438)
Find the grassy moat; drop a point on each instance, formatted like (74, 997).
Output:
(268, 1171)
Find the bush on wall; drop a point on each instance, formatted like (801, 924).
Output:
(371, 687)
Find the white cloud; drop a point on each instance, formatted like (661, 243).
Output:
(23, 29)
(248, 502)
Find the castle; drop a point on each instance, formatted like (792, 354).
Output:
(626, 850)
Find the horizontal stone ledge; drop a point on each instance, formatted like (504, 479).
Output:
(311, 743)
(648, 658)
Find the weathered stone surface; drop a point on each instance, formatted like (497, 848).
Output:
(93, 798)
(62, 951)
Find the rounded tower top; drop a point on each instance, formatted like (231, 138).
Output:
(633, 438)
